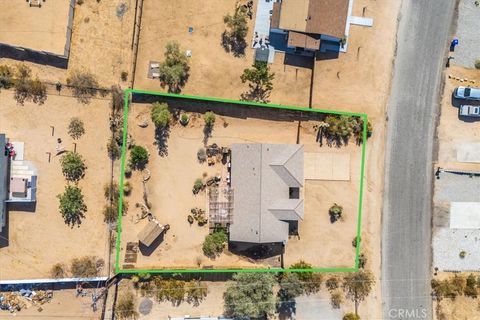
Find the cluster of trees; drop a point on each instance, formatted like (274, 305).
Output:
(338, 129)
(26, 87)
(233, 38)
(259, 79)
(174, 71)
(84, 267)
(114, 144)
(457, 285)
(174, 290)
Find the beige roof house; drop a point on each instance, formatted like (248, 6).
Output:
(267, 180)
(327, 17)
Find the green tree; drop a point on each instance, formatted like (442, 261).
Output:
(84, 85)
(6, 77)
(161, 116)
(290, 286)
(72, 206)
(214, 244)
(250, 295)
(351, 316)
(126, 307)
(73, 166)
(76, 128)
(233, 39)
(357, 286)
(174, 70)
(209, 118)
(196, 291)
(312, 282)
(259, 80)
(138, 157)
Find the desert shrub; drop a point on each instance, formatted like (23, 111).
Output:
(336, 299)
(73, 166)
(27, 88)
(214, 244)
(110, 214)
(209, 118)
(126, 307)
(354, 241)
(362, 261)
(124, 76)
(477, 64)
(471, 289)
(6, 77)
(76, 128)
(72, 205)
(172, 290)
(332, 283)
(174, 70)
(290, 287)
(84, 85)
(138, 157)
(351, 316)
(84, 267)
(462, 254)
(201, 155)
(196, 291)
(335, 212)
(110, 211)
(197, 186)
(160, 114)
(127, 188)
(58, 271)
(184, 119)
(312, 282)
(113, 149)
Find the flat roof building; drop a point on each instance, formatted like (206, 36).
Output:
(267, 180)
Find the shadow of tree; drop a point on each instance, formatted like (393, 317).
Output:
(161, 140)
(207, 134)
(256, 94)
(286, 309)
(234, 45)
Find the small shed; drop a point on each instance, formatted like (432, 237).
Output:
(150, 233)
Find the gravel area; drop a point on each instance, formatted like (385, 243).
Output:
(447, 245)
(456, 187)
(468, 34)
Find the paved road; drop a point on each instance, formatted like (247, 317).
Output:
(413, 107)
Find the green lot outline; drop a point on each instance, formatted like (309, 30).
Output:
(234, 102)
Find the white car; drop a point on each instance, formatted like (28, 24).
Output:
(469, 111)
(467, 93)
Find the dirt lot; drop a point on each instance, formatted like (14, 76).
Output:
(209, 61)
(64, 305)
(101, 42)
(39, 239)
(170, 185)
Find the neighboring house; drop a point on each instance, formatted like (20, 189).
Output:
(3, 182)
(311, 25)
(267, 180)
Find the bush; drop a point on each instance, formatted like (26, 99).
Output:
(335, 212)
(197, 186)
(72, 206)
(290, 287)
(84, 267)
(214, 244)
(477, 64)
(124, 76)
(161, 116)
(73, 166)
(127, 188)
(462, 254)
(471, 287)
(196, 291)
(84, 85)
(201, 155)
(6, 77)
(76, 128)
(332, 283)
(312, 282)
(138, 157)
(336, 300)
(113, 149)
(27, 88)
(184, 119)
(126, 307)
(58, 271)
(209, 118)
(351, 316)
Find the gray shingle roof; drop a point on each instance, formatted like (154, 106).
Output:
(261, 176)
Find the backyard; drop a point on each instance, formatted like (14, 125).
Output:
(38, 237)
(173, 167)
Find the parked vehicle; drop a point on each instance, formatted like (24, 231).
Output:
(469, 111)
(467, 93)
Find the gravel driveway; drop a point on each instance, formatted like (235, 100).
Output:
(468, 34)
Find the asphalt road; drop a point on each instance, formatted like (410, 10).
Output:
(422, 39)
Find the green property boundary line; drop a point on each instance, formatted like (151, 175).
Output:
(127, 94)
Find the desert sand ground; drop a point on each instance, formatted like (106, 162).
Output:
(321, 243)
(209, 61)
(39, 239)
(64, 305)
(101, 42)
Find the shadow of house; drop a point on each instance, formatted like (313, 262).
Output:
(148, 250)
(256, 251)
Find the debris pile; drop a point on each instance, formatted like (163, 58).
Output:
(16, 301)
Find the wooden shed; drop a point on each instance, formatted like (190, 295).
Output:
(150, 233)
